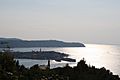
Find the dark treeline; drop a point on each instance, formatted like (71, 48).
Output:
(11, 70)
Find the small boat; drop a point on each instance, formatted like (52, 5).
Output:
(69, 59)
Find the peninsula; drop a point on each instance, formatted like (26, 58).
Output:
(19, 43)
(43, 55)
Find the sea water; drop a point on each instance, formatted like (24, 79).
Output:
(107, 56)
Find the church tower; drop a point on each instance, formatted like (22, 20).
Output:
(49, 64)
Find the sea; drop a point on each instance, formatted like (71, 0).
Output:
(97, 55)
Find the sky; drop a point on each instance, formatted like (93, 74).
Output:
(86, 21)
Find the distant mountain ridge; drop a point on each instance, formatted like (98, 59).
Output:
(17, 43)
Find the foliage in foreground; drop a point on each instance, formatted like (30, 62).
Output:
(11, 70)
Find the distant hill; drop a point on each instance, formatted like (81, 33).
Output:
(17, 43)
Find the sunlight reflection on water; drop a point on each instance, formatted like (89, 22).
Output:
(107, 56)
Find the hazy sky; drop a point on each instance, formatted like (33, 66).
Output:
(87, 21)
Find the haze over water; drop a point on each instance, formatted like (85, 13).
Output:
(107, 56)
(86, 21)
